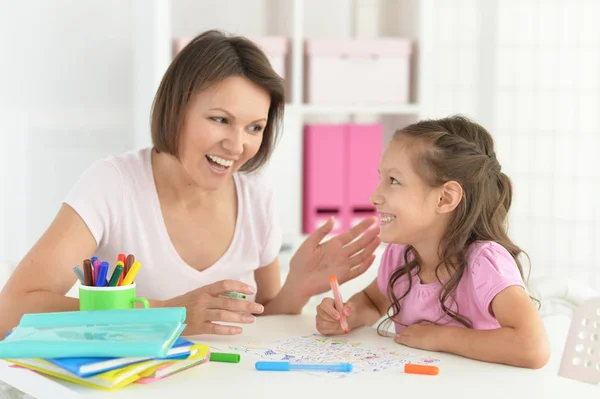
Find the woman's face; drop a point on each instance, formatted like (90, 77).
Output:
(223, 129)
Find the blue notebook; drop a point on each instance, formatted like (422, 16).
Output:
(95, 333)
(89, 366)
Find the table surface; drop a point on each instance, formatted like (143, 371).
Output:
(458, 378)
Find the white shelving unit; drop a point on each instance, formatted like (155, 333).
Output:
(159, 21)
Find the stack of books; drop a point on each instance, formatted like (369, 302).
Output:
(104, 349)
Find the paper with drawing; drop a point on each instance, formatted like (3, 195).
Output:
(319, 349)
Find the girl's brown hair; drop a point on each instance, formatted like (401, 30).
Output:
(208, 59)
(458, 149)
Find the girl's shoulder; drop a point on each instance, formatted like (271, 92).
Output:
(490, 269)
(490, 251)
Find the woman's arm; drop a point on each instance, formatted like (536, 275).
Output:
(272, 296)
(45, 275)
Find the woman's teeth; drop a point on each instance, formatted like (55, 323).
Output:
(218, 160)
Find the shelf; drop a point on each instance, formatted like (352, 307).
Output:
(398, 109)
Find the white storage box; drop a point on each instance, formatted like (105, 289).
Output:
(357, 71)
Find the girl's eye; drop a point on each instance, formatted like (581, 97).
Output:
(218, 119)
(394, 181)
(256, 128)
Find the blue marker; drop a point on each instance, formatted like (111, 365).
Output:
(101, 280)
(287, 366)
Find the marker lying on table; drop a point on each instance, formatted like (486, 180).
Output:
(287, 366)
(225, 357)
(421, 369)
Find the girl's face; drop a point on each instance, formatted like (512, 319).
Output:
(406, 203)
(223, 129)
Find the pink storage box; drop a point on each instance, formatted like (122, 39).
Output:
(364, 148)
(275, 47)
(340, 173)
(324, 183)
(357, 71)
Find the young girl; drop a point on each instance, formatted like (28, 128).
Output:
(450, 277)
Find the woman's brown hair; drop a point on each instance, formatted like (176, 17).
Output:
(208, 59)
(458, 149)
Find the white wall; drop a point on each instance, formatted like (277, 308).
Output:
(530, 73)
(526, 69)
(65, 100)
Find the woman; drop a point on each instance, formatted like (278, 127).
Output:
(194, 209)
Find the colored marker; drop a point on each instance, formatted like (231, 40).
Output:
(224, 357)
(96, 263)
(129, 262)
(135, 268)
(101, 280)
(88, 273)
(119, 263)
(339, 304)
(79, 274)
(287, 366)
(421, 369)
(234, 295)
(116, 276)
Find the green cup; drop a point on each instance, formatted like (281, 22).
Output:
(108, 298)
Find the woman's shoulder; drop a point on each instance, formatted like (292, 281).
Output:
(256, 187)
(129, 162)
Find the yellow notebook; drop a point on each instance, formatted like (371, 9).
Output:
(199, 354)
(110, 380)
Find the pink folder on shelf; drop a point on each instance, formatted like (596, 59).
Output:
(324, 171)
(364, 146)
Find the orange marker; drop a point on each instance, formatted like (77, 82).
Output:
(421, 369)
(339, 304)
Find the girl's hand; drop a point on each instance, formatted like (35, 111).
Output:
(424, 335)
(343, 255)
(328, 317)
(207, 305)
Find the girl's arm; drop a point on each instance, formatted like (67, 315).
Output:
(362, 309)
(367, 307)
(521, 341)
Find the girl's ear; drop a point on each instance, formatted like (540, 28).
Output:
(450, 195)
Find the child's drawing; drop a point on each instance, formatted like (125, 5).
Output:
(319, 349)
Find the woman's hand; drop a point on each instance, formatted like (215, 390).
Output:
(424, 335)
(207, 305)
(342, 255)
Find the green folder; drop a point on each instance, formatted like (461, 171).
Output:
(96, 333)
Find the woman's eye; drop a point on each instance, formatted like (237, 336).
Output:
(218, 119)
(394, 181)
(256, 128)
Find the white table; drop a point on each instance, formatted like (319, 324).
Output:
(458, 378)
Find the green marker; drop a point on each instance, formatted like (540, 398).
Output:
(225, 357)
(234, 295)
(114, 280)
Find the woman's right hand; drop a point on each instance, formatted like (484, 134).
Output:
(206, 306)
(328, 317)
